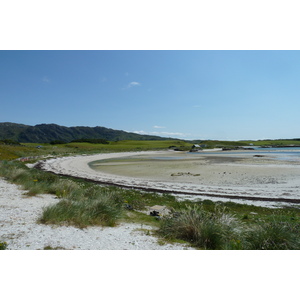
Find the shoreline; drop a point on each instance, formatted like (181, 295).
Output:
(244, 178)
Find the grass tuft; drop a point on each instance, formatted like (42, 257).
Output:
(204, 224)
(201, 228)
(99, 209)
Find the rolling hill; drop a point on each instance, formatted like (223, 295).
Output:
(45, 133)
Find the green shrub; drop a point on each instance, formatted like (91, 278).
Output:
(3, 245)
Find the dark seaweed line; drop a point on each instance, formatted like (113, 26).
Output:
(40, 166)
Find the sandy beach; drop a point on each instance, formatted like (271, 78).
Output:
(232, 175)
(18, 218)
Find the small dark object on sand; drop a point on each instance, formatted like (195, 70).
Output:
(128, 206)
(154, 213)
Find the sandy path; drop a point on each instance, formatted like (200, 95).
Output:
(230, 176)
(18, 227)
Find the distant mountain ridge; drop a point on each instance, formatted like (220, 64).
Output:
(46, 133)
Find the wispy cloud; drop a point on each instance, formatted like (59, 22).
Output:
(133, 84)
(45, 79)
(179, 134)
(156, 126)
(163, 133)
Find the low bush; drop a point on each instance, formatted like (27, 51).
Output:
(3, 245)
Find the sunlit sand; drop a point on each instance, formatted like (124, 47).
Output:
(232, 175)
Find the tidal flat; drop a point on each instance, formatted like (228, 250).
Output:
(233, 175)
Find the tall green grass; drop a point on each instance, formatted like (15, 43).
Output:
(204, 224)
(35, 181)
(104, 209)
(203, 229)
(82, 204)
(273, 235)
(216, 230)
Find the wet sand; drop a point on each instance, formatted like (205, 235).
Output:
(232, 176)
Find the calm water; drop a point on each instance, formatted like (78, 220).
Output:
(284, 153)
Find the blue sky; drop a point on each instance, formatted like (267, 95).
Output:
(226, 95)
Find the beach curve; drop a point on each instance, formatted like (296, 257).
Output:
(243, 178)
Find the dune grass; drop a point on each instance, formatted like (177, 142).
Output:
(104, 209)
(203, 224)
(82, 204)
(220, 230)
(203, 229)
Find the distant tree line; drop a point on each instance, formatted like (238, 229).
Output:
(92, 141)
(9, 142)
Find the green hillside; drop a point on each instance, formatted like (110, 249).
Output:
(46, 133)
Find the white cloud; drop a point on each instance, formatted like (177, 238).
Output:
(156, 126)
(132, 84)
(140, 132)
(163, 133)
(173, 134)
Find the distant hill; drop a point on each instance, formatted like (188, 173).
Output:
(46, 133)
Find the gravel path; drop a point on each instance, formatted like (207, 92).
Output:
(18, 227)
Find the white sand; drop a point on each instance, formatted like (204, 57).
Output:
(18, 227)
(263, 177)
(234, 175)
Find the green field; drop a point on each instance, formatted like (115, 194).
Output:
(8, 152)
(275, 143)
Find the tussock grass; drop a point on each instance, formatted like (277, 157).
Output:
(102, 210)
(221, 230)
(206, 230)
(82, 204)
(273, 235)
(204, 224)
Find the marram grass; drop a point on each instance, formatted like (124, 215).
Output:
(205, 225)
(219, 230)
(103, 210)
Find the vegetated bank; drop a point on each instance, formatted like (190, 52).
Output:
(204, 224)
